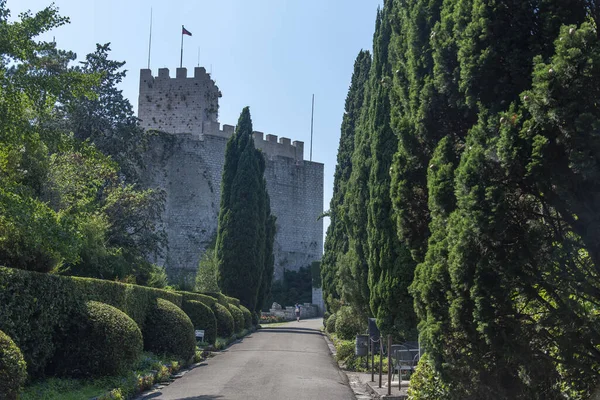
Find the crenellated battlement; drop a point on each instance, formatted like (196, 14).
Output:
(270, 146)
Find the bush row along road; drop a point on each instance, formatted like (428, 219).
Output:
(288, 361)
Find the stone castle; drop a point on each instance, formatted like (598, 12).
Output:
(186, 160)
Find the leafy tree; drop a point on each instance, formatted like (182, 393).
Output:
(64, 205)
(107, 119)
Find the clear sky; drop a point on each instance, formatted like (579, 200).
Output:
(271, 55)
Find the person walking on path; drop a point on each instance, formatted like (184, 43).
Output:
(297, 312)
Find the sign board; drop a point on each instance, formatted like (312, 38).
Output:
(199, 334)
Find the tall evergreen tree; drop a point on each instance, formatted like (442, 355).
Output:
(244, 218)
(496, 291)
(390, 264)
(338, 280)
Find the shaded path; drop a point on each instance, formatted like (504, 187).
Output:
(289, 361)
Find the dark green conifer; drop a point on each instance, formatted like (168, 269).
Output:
(243, 219)
(337, 278)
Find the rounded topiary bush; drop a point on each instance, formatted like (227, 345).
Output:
(348, 324)
(224, 321)
(203, 318)
(247, 317)
(330, 324)
(13, 370)
(168, 330)
(238, 318)
(102, 341)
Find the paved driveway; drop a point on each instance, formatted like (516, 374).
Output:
(289, 361)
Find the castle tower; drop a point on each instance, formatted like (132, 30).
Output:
(179, 105)
(186, 159)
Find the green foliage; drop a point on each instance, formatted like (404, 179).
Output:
(102, 341)
(343, 272)
(245, 226)
(247, 317)
(63, 204)
(344, 350)
(348, 324)
(168, 330)
(238, 318)
(295, 287)
(330, 324)
(35, 308)
(203, 318)
(12, 368)
(426, 383)
(225, 322)
(206, 278)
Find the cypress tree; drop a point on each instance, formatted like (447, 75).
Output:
(502, 262)
(390, 264)
(337, 279)
(243, 218)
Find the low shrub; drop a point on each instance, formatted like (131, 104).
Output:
(103, 340)
(348, 324)
(247, 317)
(344, 350)
(426, 383)
(12, 368)
(224, 321)
(168, 330)
(203, 318)
(238, 318)
(330, 324)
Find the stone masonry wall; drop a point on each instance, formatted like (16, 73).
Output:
(188, 166)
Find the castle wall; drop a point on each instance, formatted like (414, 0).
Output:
(188, 166)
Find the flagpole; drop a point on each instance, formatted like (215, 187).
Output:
(181, 59)
(312, 114)
(150, 40)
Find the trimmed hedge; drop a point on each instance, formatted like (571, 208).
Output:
(168, 330)
(247, 317)
(238, 318)
(36, 308)
(233, 301)
(13, 370)
(103, 341)
(225, 321)
(202, 298)
(221, 298)
(202, 317)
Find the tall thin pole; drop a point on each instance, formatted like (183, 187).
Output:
(198, 55)
(150, 40)
(312, 114)
(181, 58)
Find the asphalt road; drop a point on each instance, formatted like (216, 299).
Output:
(289, 361)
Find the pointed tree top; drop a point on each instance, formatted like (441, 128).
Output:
(244, 125)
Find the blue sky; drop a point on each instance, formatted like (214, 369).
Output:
(271, 55)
